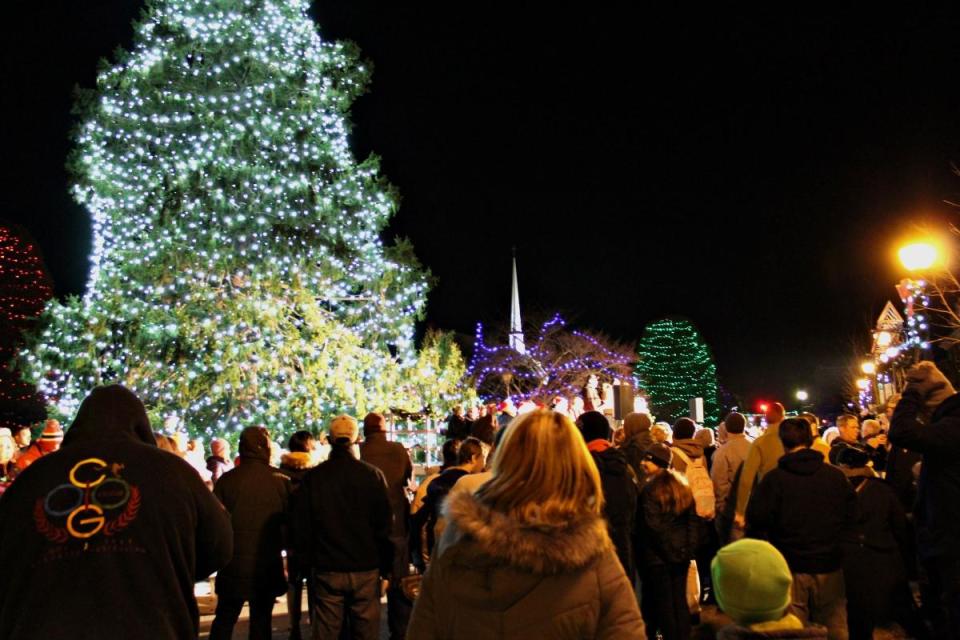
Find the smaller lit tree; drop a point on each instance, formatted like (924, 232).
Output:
(25, 289)
(558, 362)
(675, 365)
(437, 381)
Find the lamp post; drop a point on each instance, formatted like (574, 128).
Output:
(916, 257)
(802, 396)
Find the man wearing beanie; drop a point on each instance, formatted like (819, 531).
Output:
(341, 528)
(619, 485)
(392, 459)
(752, 581)
(927, 421)
(257, 497)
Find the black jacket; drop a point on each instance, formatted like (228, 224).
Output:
(341, 516)
(458, 427)
(619, 503)
(881, 524)
(125, 568)
(634, 449)
(937, 512)
(392, 460)
(256, 495)
(665, 537)
(805, 508)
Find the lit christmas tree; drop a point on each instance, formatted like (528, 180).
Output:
(238, 274)
(674, 366)
(24, 291)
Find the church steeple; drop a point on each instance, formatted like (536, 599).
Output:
(516, 326)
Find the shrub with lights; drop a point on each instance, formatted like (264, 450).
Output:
(675, 365)
(557, 363)
(25, 289)
(238, 274)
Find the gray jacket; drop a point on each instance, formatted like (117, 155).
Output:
(726, 461)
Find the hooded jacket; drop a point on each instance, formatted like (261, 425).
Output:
(620, 492)
(106, 537)
(257, 497)
(806, 509)
(691, 448)
(639, 442)
(393, 460)
(937, 513)
(496, 577)
(295, 465)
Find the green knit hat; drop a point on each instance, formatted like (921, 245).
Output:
(751, 581)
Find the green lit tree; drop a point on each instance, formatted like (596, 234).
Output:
(675, 365)
(436, 383)
(238, 274)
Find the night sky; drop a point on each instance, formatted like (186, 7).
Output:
(752, 173)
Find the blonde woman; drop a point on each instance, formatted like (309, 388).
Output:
(528, 555)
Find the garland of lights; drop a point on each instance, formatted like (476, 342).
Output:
(675, 365)
(545, 371)
(237, 272)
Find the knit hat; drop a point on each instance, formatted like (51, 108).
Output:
(594, 426)
(659, 454)
(374, 423)
(344, 427)
(51, 437)
(220, 448)
(751, 581)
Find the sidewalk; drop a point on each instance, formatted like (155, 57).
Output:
(207, 603)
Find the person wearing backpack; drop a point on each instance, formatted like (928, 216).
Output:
(690, 462)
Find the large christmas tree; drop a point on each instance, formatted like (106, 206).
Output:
(238, 274)
(675, 365)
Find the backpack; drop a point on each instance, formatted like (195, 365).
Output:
(700, 484)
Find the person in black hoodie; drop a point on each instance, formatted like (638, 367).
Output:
(295, 465)
(392, 459)
(341, 529)
(256, 496)
(106, 537)
(619, 486)
(806, 509)
(927, 421)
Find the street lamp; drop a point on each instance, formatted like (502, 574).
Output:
(916, 257)
(802, 395)
(868, 367)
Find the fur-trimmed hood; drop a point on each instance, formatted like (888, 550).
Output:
(498, 540)
(296, 460)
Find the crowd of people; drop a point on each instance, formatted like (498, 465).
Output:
(540, 523)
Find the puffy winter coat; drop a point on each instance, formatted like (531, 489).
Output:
(619, 503)
(495, 577)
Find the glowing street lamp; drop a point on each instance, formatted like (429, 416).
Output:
(868, 367)
(884, 339)
(802, 395)
(863, 384)
(918, 256)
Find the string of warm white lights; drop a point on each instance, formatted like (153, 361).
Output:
(237, 272)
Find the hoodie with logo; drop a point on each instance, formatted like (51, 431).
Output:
(106, 537)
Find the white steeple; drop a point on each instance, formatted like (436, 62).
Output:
(516, 326)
